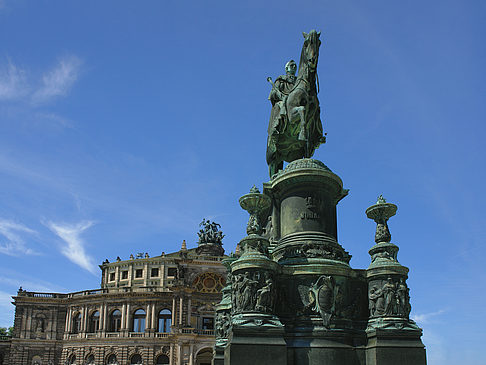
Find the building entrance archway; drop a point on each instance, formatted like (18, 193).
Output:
(204, 356)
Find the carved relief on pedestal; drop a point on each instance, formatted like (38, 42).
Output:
(222, 325)
(320, 298)
(253, 291)
(389, 298)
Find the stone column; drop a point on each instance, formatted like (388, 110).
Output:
(181, 310)
(179, 354)
(173, 310)
(191, 354)
(171, 355)
(146, 276)
(130, 275)
(148, 316)
(105, 316)
(23, 325)
(85, 319)
(128, 318)
(29, 323)
(102, 314)
(69, 314)
(189, 309)
(154, 323)
(393, 338)
(123, 317)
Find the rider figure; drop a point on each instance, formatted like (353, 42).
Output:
(278, 96)
(281, 89)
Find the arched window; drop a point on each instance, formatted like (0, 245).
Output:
(139, 321)
(136, 359)
(165, 319)
(112, 360)
(76, 323)
(162, 359)
(94, 322)
(115, 321)
(90, 360)
(72, 360)
(36, 360)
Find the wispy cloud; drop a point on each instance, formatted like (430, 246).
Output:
(13, 81)
(13, 242)
(17, 280)
(15, 85)
(59, 80)
(74, 247)
(426, 317)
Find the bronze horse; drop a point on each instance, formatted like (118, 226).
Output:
(299, 132)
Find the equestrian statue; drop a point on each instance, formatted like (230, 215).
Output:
(295, 128)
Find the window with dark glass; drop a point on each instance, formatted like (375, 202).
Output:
(165, 319)
(115, 321)
(124, 275)
(162, 359)
(76, 323)
(208, 323)
(171, 271)
(154, 272)
(112, 276)
(136, 359)
(112, 360)
(90, 360)
(138, 273)
(94, 322)
(139, 320)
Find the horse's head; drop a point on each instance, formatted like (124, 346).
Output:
(310, 50)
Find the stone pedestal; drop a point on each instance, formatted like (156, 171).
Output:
(320, 311)
(218, 356)
(395, 347)
(393, 338)
(259, 345)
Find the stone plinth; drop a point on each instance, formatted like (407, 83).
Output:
(295, 298)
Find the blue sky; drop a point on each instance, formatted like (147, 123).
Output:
(123, 124)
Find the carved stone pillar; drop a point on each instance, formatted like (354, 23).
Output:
(179, 354)
(102, 315)
(191, 354)
(173, 310)
(127, 319)
(69, 315)
(105, 317)
(29, 323)
(85, 319)
(181, 310)
(148, 316)
(189, 310)
(123, 317)
(154, 318)
(391, 333)
(171, 355)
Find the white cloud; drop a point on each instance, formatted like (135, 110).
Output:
(74, 249)
(59, 80)
(16, 86)
(426, 317)
(13, 83)
(16, 281)
(13, 243)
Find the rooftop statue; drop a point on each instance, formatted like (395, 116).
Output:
(295, 128)
(210, 232)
